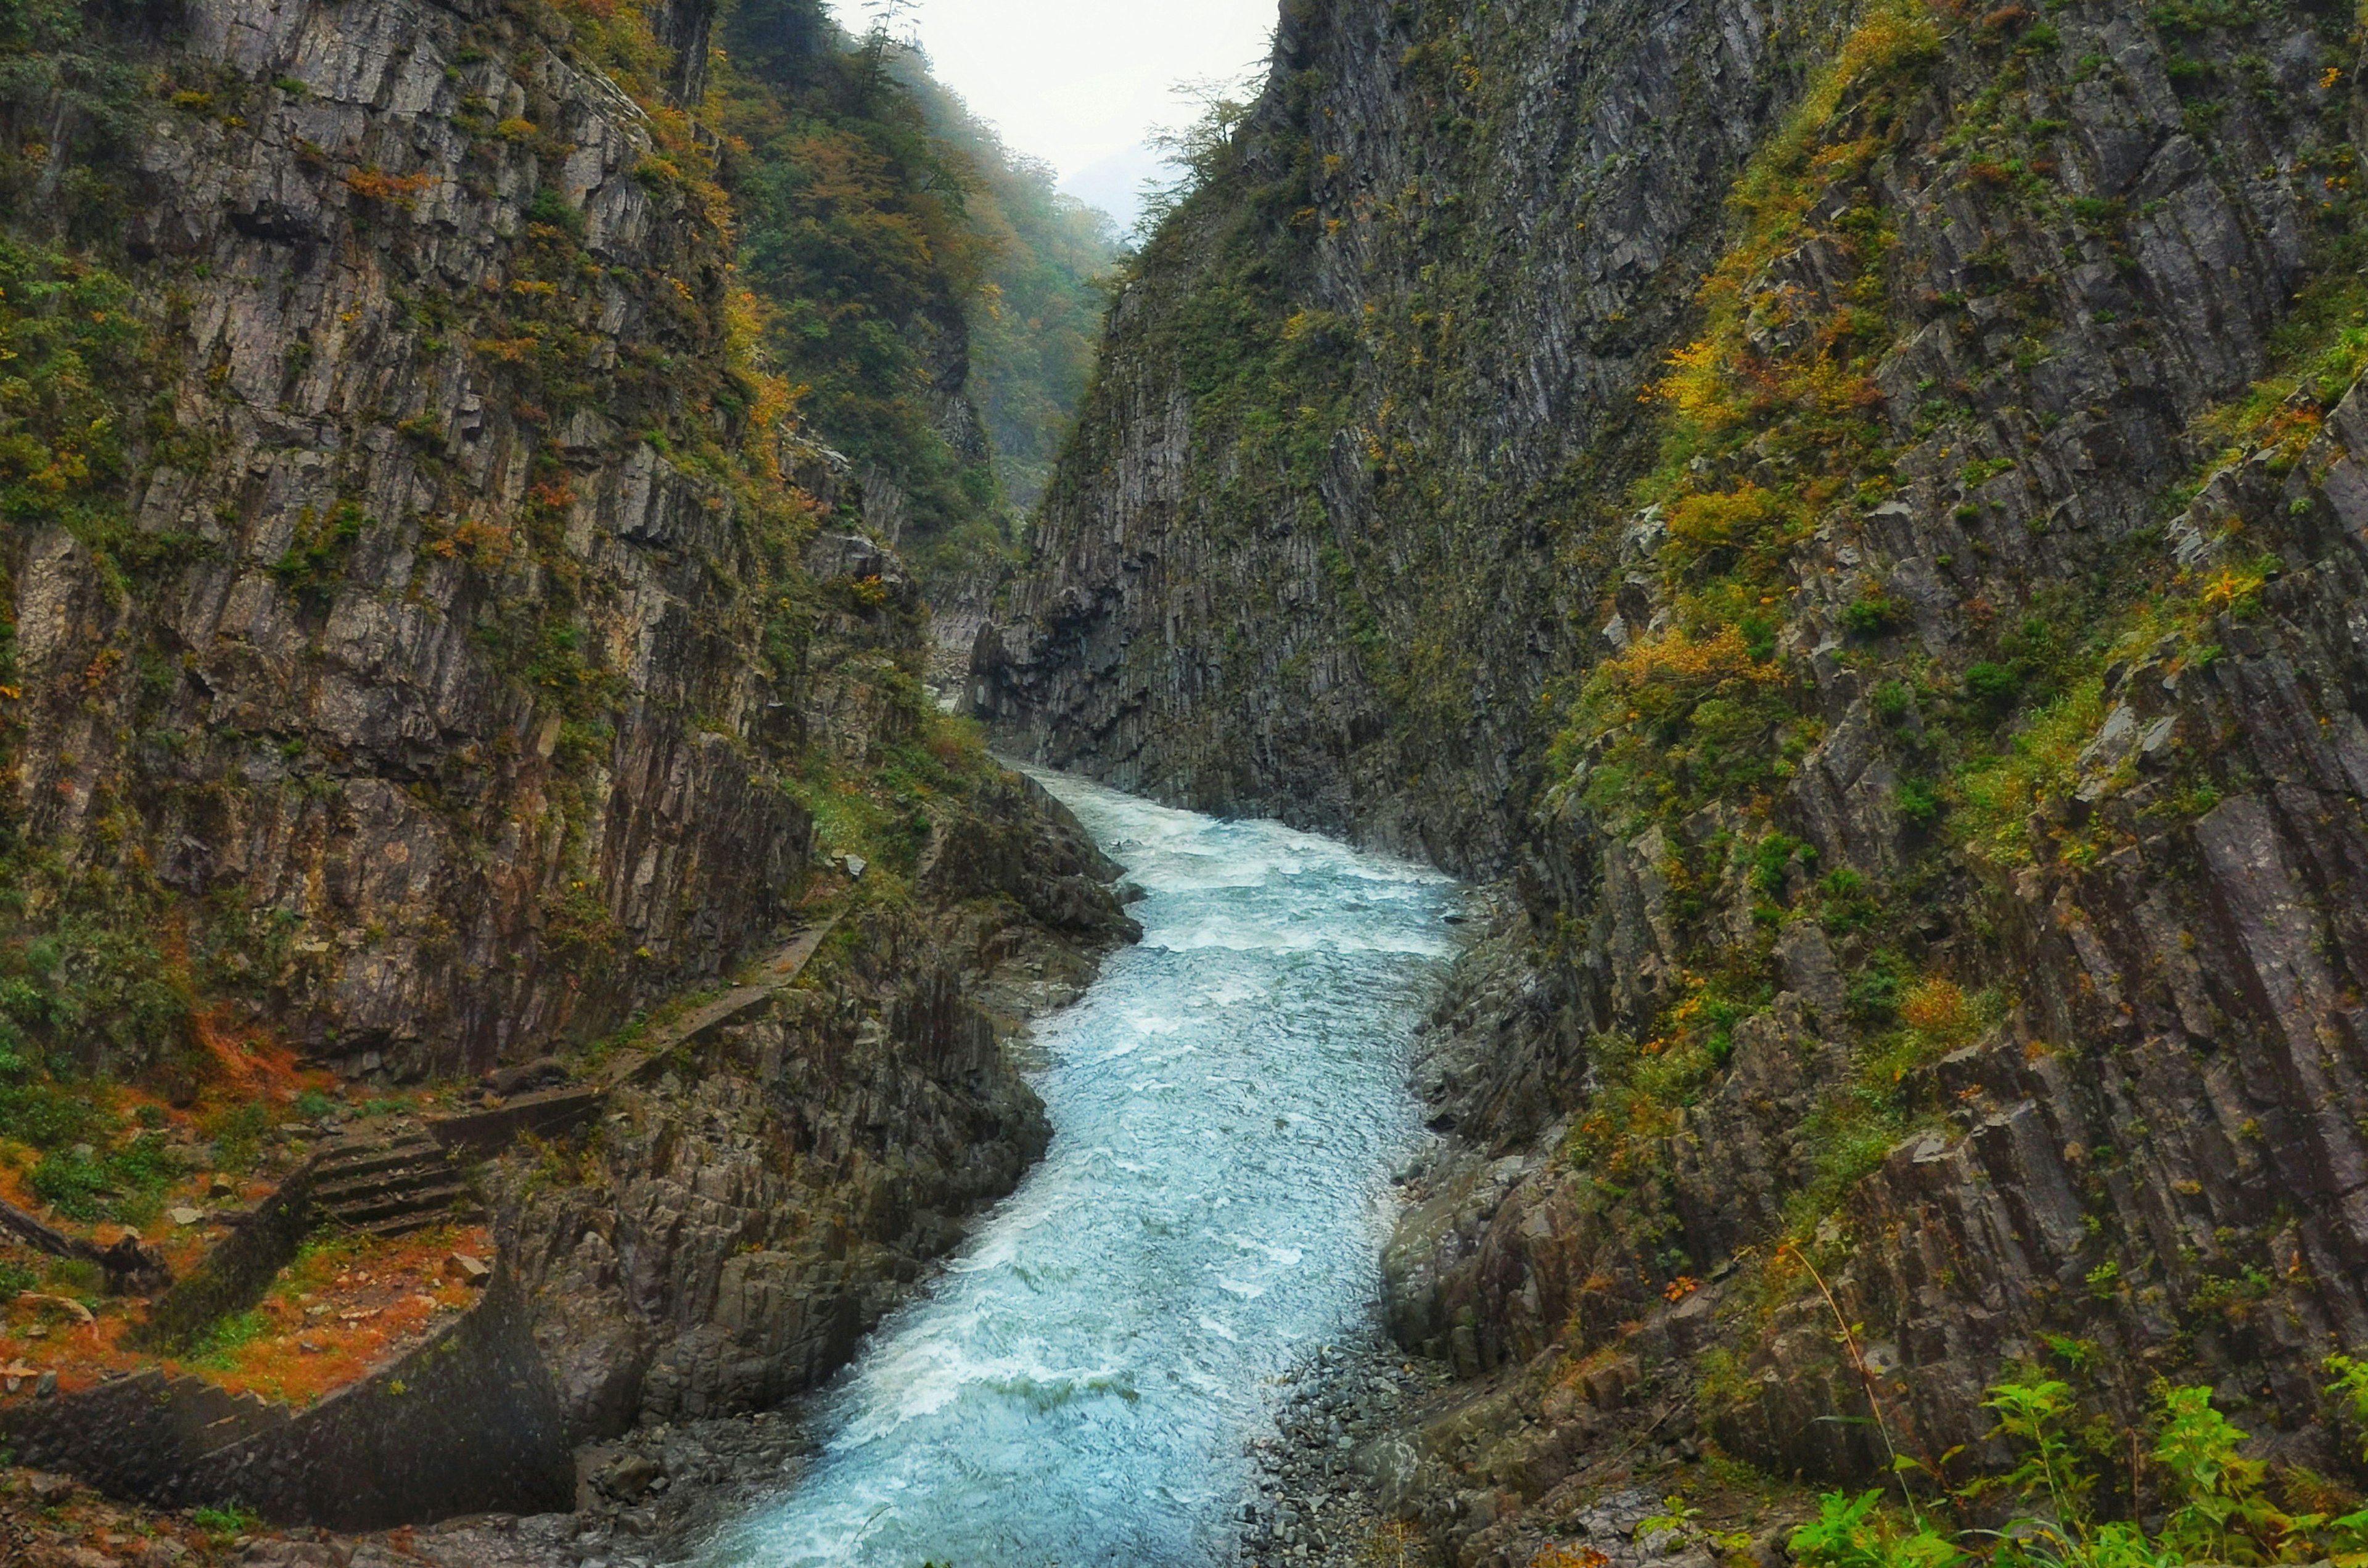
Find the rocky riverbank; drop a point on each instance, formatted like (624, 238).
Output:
(1339, 1483)
(1322, 1489)
(1853, 516)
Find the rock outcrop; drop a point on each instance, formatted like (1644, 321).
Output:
(441, 694)
(1903, 669)
(721, 1241)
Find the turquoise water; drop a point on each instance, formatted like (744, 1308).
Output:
(1226, 1103)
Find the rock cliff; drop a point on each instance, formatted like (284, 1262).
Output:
(1849, 514)
(402, 644)
(435, 639)
(720, 1242)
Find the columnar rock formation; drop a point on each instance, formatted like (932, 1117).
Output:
(1783, 488)
(413, 654)
(431, 641)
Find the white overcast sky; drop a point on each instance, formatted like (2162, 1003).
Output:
(1081, 82)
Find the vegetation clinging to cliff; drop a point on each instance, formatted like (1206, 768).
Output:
(905, 247)
(114, 969)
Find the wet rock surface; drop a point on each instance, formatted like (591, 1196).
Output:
(1341, 1479)
(1325, 1477)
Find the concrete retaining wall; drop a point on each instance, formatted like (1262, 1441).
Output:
(467, 1423)
(235, 1274)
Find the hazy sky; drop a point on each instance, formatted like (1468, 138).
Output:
(1078, 82)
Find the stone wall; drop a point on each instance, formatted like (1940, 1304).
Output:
(467, 1422)
(236, 1272)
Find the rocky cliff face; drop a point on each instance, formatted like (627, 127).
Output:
(1326, 528)
(722, 1239)
(422, 648)
(433, 640)
(1851, 514)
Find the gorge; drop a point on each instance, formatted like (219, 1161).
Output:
(1841, 522)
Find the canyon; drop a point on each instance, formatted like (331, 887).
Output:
(1845, 518)
(1842, 522)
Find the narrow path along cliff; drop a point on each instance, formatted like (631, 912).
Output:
(1227, 1101)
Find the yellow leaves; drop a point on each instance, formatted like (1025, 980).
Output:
(2234, 590)
(483, 545)
(1706, 522)
(1890, 37)
(1696, 384)
(374, 184)
(66, 468)
(1936, 1006)
(1845, 157)
(516, 129)
(509, 350)
(774, 401)
(1652, 670)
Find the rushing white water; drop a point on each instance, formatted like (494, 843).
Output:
(1226, 1101)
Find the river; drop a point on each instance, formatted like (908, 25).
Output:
(1226, 1103)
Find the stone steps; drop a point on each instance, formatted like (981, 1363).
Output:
(391, 1189)
(366, 1159)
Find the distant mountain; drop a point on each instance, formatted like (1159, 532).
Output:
(1115, 184)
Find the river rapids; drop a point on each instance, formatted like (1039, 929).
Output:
(1227, 1101)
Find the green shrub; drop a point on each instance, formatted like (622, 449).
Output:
(2222, 1516)
(1858, 1533)
(1872, 615)
(1875, 991)
(48, 1115)
(88, 1183)
(316, 557)
(1772, 862)
(551, 209)
(226, 1519)
(237, 1133)
(1993, 683)
(70, 1182)
(2351, 1390)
